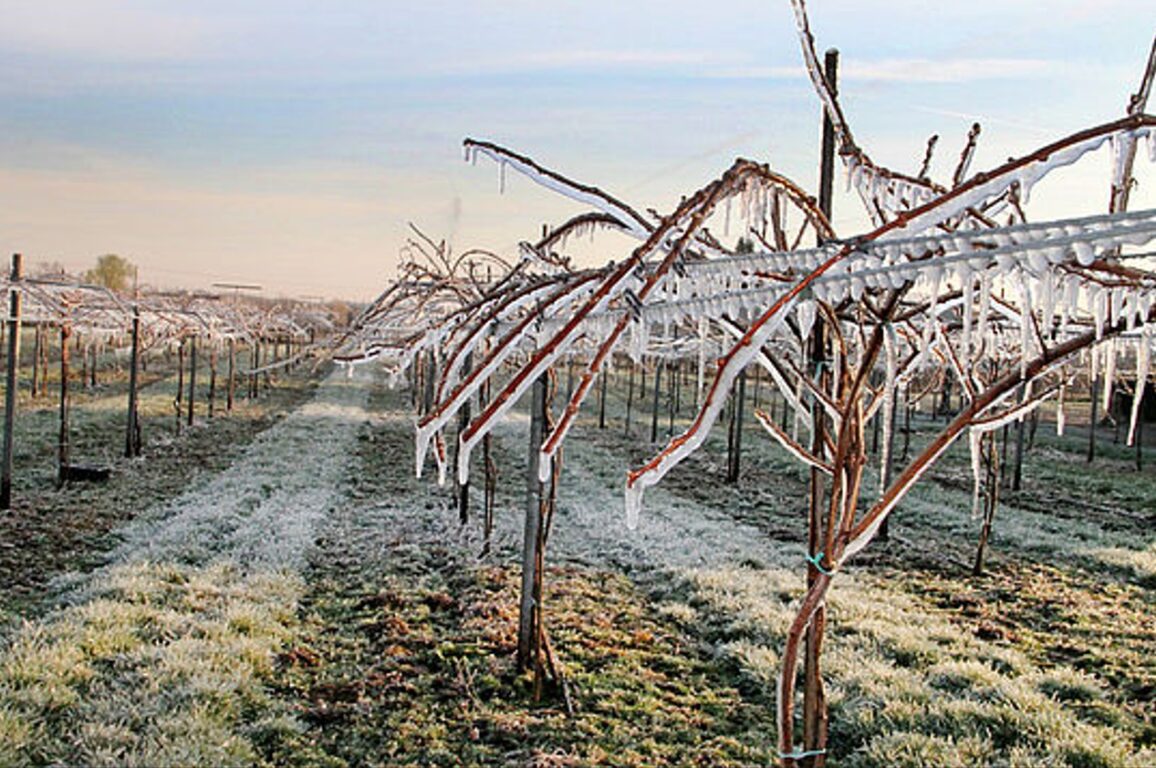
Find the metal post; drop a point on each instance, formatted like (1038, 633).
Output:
(10, 392)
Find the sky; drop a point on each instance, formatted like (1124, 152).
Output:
(291, 143)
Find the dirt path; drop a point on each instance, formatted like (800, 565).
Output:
(261, 512)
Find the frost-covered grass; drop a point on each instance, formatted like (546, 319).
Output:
(907, 687)
(164, 656)
(156, 665)
(50, 530)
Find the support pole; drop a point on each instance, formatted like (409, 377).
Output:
(814, 697)
(212, 379)
(10, 392)
(180, 381)
(192, 378)
(527, 616)
(735, 444)
(657, 396)
(63, 444)
(132, 428)
(463, 422)
(1092, 422)
(602, 398)
(231, 384)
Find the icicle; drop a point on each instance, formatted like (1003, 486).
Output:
(889, 387)
(1061, 418)
(1049, 299)
(984, 306)
(1084, 253)
(633, 505)
(1025, 324)
(974, 439)
(502, 177)
(1131, 300)
(968, 310)
(1110, 352)
(805, 317)
(1142, 364)
(1099, 305)
(1116, 306)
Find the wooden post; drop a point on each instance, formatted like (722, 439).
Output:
(10, 392)
(192, 378)
(735, 443)
(657, 395)
(132, 430)
(212, 378)
(463, 422)
(629, 397)
(1092, 422)
(814, 697)
(256, 357)
(63, 444)
(602, 398)
(1018, 472)
(527, 615)
(231, 384)
(1139, 437)
(37, 349)
(180, 382)
(490, 473)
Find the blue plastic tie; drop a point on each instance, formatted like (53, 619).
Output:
(800, 754)
(817, 561)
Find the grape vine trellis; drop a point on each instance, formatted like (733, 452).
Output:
(95, 320)
(953, 280)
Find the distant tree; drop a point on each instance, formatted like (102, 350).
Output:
(745, 245)
(49, 268)
(113, 272)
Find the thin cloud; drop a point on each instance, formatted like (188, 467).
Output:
(913, 70)
(947, 70)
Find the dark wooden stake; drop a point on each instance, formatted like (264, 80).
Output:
(231, 384)
(63, 443)
(212, 379)
(180, 382)
(1092, 422)
(10, 392)
(132, 437)
(602, 398)
(657, 397)
(192, 378)
(735, 443)
(463, 422)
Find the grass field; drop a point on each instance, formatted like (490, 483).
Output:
(379, 634)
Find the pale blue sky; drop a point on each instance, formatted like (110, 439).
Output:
(289, 142)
